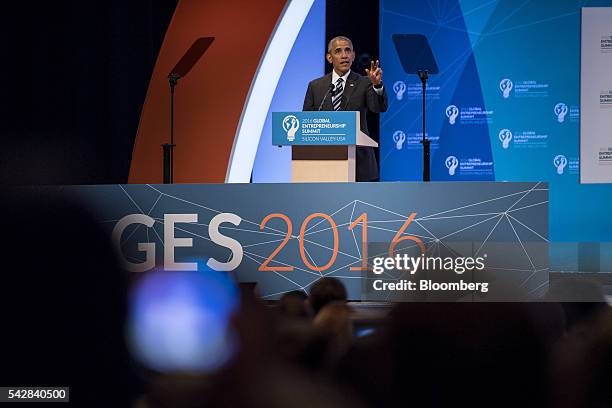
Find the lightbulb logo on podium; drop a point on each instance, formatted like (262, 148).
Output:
(399, 138)
(560, 161)
(399, 87)
(451, 113)
(505, 86)
(560, 111)
(505, 136)
(291, 124)
(451, 163)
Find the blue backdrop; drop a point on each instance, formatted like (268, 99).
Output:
(505, 105)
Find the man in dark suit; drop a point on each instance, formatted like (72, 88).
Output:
(350, 92)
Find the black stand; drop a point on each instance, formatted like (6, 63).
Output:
(417, 58)
(181, 69)
(423, 75)
(169, 147)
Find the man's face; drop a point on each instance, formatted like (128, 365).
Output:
(341, 56)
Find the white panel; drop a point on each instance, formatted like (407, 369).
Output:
(596, 95)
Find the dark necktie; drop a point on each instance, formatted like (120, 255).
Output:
(337, 97)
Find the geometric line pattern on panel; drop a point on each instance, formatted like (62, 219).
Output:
(383, 224)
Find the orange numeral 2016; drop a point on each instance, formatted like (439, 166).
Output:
(363, 218)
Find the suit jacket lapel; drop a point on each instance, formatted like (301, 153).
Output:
(351, 84)
(327, 105)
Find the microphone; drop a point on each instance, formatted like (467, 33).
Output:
(329, 89)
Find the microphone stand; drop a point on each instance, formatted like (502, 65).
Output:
(169, 147)
(408, 46)
(329, 89)
(423, 75)
(181, 69)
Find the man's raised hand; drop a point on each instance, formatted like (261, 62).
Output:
(375, 73)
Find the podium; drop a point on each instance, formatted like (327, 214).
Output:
(323, 144)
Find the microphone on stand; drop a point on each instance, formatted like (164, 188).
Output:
(329, 89)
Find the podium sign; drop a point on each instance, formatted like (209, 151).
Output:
(314, 128)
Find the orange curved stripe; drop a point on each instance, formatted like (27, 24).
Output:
(209, 100)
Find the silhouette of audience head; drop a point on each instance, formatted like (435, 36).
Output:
(294, 304)
(324, 291)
